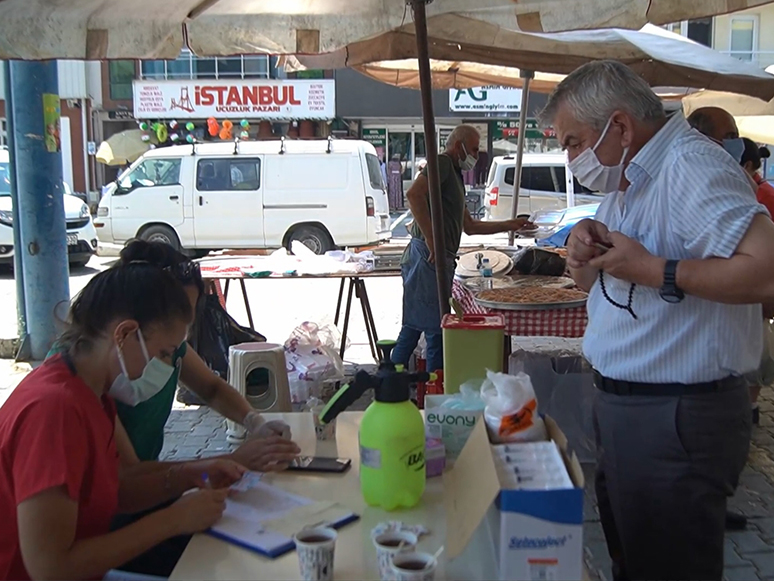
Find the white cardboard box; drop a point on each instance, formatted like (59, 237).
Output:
(538, 534)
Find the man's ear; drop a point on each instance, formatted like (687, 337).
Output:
(624, 124)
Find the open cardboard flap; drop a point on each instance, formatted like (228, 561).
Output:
(473, 484)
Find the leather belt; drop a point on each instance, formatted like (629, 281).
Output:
(618, 387)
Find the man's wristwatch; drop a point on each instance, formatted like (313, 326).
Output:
(669, 291)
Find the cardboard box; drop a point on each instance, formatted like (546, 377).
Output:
(452, 427)
(538, 534)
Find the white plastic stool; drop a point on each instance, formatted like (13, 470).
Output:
(247, 357)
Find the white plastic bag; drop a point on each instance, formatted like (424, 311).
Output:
(312, 359)
(511, 412)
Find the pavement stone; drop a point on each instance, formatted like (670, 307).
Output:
(747, 542)
(740, 574)
(764, 562)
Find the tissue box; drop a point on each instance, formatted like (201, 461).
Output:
(435, 457)
(452, 427)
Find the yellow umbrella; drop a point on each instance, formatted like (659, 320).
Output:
(122, 148)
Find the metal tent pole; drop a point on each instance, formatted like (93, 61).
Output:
(431, 143)
(527, 76)
(42, 248)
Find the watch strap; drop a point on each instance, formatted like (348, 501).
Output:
(670, 274)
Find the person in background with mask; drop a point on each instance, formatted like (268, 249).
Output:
(60, 482)
(421, 312)
(677, 263)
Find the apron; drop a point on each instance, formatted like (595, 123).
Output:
(421, 310)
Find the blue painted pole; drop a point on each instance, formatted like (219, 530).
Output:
(21, 309)
(35, 114)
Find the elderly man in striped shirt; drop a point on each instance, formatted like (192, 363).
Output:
(677, 263)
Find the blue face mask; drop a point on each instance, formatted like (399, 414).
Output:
(735, 147)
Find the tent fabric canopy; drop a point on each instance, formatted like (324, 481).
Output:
(660, 57)
(147, 29)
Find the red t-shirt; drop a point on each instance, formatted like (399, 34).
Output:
(765, 194)
(55, 432)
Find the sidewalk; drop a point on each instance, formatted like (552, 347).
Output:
(194, 432)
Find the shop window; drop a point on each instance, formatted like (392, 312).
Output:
(121, 75)
(3, 132)
(744, 37)
(152, 172)
(217, 175)
(190, 66)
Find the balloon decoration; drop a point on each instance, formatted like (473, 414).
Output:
(160, 129)
(225, 132)
(143, 126)
(190, 126)
(245, 124)
(173, 124)
(212, 126)
(190, 138)
(244, 135)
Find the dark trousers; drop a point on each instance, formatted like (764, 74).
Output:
(161, 559)
(666, 466)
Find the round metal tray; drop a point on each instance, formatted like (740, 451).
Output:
(530, 306)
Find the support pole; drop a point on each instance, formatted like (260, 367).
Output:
(431, 143)
(527, 76)
(42, 248)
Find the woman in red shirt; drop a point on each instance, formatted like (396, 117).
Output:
(59, 469)
(751, 162)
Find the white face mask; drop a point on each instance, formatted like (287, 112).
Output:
(469, 162)
(592, 174)
(154, 377)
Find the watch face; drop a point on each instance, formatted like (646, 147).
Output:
(671, 296)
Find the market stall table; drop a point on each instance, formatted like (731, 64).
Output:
(533, 323)
(209, 558)
(224, 270)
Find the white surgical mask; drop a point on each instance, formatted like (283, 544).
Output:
(469, 162)
(154, 377)
(592, 174)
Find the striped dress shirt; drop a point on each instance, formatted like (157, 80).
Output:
(688, 199)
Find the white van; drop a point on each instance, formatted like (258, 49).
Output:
(250, 194)
(543, 186)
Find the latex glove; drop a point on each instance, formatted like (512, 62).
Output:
(257, 427)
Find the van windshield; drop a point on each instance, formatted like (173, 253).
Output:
(152, 172)
(375, 171)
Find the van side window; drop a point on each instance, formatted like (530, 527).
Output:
(374, 171)
(152, 172)
(219, 174)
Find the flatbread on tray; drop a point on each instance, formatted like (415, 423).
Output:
(531, 295)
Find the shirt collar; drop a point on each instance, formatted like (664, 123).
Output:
(651, 157)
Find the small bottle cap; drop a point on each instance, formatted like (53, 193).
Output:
(400, 368)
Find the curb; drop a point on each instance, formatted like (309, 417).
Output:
(109, 250)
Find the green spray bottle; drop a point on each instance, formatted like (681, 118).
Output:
(392, 433)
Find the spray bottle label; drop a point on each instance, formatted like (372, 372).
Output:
(414, 459)
(370, 457)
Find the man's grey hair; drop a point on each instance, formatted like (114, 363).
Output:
(702, 122)
(461, 133)
(596, 90)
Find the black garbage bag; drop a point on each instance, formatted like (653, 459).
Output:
(538, 261)
(213, 332)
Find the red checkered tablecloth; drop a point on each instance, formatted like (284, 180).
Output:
(548, 323)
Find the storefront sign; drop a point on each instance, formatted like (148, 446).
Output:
(257, 99)
(443, 137)
(120, 114)
(489, 99)
(376, 137)
(509, 129)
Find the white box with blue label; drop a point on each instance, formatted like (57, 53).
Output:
(537, 534)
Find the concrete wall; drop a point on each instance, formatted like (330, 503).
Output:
(764, 42)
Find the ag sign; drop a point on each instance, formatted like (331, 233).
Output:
(491, 99)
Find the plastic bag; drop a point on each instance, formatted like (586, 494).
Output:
(212, 333)
(538, 261)
(312, 358)
(511, 412)
(468, 399)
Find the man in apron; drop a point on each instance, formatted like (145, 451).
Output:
(421, 311)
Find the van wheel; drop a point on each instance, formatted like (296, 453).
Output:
(162, 234)
(313, 237)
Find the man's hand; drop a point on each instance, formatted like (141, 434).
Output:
(630, 261)
(257, 427)
(431, 256)
(517, 224)
(271, 454)
(582, 244)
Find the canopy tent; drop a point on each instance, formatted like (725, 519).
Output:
(144, 29)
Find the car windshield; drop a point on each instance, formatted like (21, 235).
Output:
(5, 180)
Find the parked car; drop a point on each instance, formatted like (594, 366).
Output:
(252, 194)
(543, 186)
(559, 234)
(81, 235)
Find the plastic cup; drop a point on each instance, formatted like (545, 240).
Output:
(315, 548)
(414, 567)
(388, 545)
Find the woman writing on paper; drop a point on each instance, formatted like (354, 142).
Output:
(60, 482)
